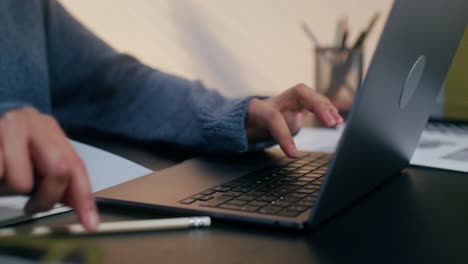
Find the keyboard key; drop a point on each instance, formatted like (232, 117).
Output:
(279, 183)
(300, 183)
(216, 201)
(271, 185)
(210, 192)
(246, 198)
(290, 199)
(309, 168)
(282, 203)
(256, 194)
(245, 208)
(291, 187)
(198, 196)
(267, 189)
(284, 180)
(283, 191)
(207, 198)
(241, 189)
(305, 178)
(307, 190)
(276, 193)
(188, 201)
(230, 206)
(315, 164)
(222, 189)
(305, 203)
(300, 162)
(268, 199)
(289, 213)
(298, 208)
(259, 203)
(236, 202)
(313, 175)
(270, 209)
(310, 198)
(276, 174)
(255, 186)
(283, 162)
(298, 195)
(313, 185)
(232, 193)
(259, 182)
(295, 174)
(232, 184)
(250, 208)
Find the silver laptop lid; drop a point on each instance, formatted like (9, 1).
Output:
(395, 100)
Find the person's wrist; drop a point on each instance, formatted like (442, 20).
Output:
(252, 126)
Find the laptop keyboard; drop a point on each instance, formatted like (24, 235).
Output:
(286, 188)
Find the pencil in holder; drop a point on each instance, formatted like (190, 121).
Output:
(339, 75)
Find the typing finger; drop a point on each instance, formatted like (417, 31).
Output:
(336, 115)
(319, 105)
(281, 133)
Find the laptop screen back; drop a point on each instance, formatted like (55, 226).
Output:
(393, 104)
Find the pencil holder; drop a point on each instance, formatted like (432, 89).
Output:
(338, 75)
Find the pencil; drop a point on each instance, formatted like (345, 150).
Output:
(309, 33)
(115, 227)
(344, 37)
(360, 40)
(341, 32)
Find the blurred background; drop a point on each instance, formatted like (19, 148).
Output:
(238, 47)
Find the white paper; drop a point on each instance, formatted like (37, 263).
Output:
(104, 168)
(318, 139)
(442, 150)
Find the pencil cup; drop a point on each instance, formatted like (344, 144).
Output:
(338, 75)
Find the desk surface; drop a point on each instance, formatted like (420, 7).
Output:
(418, 217)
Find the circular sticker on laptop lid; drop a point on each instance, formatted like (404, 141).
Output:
(412, 81)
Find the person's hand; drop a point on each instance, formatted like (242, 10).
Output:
(36, 158)
(281, 116)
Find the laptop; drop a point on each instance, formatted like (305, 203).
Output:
(390, 111)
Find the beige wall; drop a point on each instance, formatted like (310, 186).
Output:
(239, 47)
